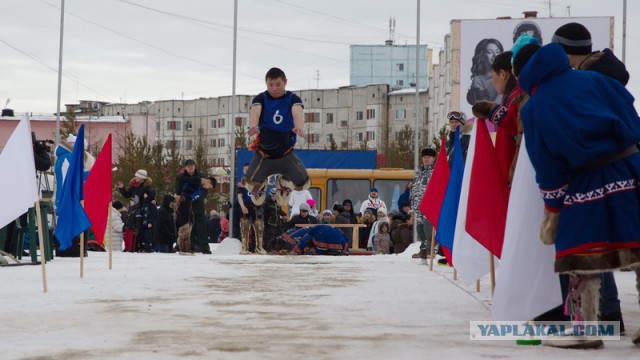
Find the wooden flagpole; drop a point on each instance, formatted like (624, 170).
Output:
(493, 273)
(82, 254)
(477, 285)
(43, 253)
(433, 249)
(110, 239)
(455, 274)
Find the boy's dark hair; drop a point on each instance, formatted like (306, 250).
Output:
(275, 73)
(502, 62)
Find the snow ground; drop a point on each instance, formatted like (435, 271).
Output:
(167, 306)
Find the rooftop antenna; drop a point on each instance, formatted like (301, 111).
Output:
(317, 79)
(7, 103)
(392, 31)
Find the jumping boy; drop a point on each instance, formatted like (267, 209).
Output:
(276, 117)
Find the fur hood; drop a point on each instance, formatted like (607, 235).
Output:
(147, 182)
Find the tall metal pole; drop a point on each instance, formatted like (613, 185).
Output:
(624, 30)
(416, 125)
(60, 71)
(232, 178)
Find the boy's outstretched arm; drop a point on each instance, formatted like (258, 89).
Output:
(254, 119)
(298, 120)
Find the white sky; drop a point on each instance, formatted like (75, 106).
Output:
(134, 50)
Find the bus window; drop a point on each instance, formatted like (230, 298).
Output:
(340, 189)
(390, 191)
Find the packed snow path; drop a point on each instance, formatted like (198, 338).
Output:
(166, 306)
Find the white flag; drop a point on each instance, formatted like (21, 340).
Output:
(470, 258)
(18, 180)
(526, 285)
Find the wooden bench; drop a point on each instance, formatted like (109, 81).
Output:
(355, 227)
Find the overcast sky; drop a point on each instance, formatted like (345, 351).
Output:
(134, 50)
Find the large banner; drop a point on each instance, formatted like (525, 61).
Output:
(482, 40)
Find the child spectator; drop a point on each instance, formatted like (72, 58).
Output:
(313, 211)
(327, 217)
(133, 224)
(165, 233)
(224, 227)
(117, 226)
(382, 239)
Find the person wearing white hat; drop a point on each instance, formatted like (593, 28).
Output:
(140, 186)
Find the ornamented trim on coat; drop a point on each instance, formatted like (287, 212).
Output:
(554, 194)
(600, 193)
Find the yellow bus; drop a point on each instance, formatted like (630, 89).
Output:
(330, 186)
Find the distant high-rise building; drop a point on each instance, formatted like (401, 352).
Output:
(390, 64)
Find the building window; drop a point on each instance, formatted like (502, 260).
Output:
(174, 125)
(343, 144)
(189, 144)
(188, 125)
(399, 82)
(212, 143)
(214, 123)
(401, 114)
(330, 138)
(359, 115)
(400, 67)
(312, 117)
(371, 135)
(241, 121)
(170, 143)
(360, 136)
(220, 123)
(221, 142)
(158, 126)
(344, 123)
(312, 138)
(329, 118)
(371, 114)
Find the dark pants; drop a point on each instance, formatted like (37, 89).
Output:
(289, 166)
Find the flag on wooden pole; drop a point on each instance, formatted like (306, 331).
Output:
(97, 189)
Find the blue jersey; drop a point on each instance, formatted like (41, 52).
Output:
(276, 113)
(276, 123)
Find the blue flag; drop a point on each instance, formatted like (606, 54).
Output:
(449, 210)
(72, 220)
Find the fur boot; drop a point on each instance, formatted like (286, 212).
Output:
(583, 302)
(245, 226)
(283, 191)
(258, 227)
(184, 238)
(636, 336)
(259, 195)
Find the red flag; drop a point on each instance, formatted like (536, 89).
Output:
(97, 192)
(488, 195)
(434, 193)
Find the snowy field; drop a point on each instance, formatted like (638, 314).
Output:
(166, 306)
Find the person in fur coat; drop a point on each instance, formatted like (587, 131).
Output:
(587, 167)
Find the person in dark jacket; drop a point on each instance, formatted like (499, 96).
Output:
(165, 233)
(458, 118)
(188, 188)
(303, 217)
(213, 226)
(275, 221)
(199, 238)
(576, 42)
(406, 195)
(342, 217)
(140, 187)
